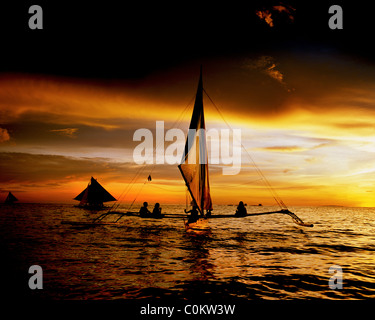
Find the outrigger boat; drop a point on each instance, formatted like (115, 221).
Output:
(194, 170)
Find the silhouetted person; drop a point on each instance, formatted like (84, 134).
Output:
(194, 214)
(144, 212)
(156, 213)
(241, 210)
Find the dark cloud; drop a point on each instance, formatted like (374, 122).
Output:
(37, 168)
(47, 170)
(46, 137)
(260, 85)
(132, 40)
(357, 126)
(67, 132)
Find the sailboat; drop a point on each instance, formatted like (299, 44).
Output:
(194, 164)
(94, 196)
(194, 170)
(195, 173)
(10, 199)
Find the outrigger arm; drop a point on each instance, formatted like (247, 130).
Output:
(295, 218)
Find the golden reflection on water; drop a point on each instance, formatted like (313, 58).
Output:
(256, 257)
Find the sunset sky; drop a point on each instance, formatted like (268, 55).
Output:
(303, 96)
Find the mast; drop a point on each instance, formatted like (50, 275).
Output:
(194, 163)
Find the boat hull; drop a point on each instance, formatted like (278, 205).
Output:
(199, 225)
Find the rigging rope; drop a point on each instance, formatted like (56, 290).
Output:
(143, 167)
(137, 195)
(232, 185)
(274, 194)
(161, 188)
(276, 197)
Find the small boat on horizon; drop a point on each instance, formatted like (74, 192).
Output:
(10, 199)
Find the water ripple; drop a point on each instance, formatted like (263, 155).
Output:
(241, 259)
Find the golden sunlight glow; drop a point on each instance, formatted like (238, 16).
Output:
(313, 151)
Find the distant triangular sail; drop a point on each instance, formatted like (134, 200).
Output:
(194, 164)
(10, 198)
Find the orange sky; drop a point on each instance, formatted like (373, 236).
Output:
(307, 122)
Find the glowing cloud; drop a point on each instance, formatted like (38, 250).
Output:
(287, 9)
(4, 135)
(315, 146)
(268, 14)
(284, 148)
(68, 132)
(268, 66)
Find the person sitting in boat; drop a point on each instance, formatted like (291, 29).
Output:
(144, 212)
(241, 210)
(156, 213)
(194, 214)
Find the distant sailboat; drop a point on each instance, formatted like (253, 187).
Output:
(94, 196)
(194, 170)
(10, 199)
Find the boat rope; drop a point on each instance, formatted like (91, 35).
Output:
(161, 188)
(273, 192)
(137, 194)
(232, 185)
(141, 170)
(128, 188)
(179, 118)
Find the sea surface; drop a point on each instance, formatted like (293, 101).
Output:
(262, 257)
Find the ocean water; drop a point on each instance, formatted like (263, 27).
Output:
(262, 257)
